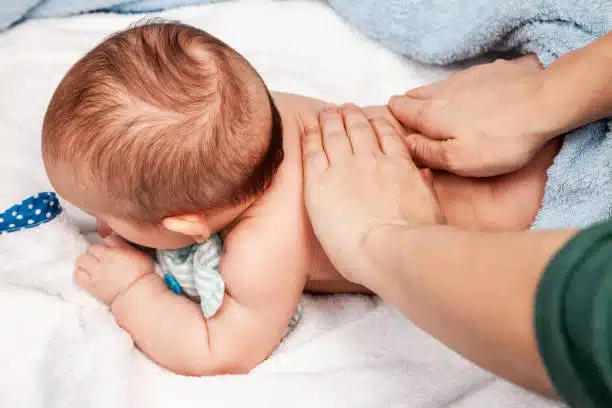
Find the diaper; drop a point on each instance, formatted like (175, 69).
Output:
(193, 271)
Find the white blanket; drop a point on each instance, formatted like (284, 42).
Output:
(59, 348)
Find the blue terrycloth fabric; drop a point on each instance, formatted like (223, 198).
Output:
(579, 188)
(14, 11)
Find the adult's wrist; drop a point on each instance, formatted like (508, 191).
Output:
(386, 248)
(575, 89)
(549, 109)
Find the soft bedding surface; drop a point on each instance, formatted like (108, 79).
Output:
(66, 351)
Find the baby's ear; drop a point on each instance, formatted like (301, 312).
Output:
(194, 225)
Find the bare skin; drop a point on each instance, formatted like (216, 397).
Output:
(477, 123)
(271, 257)
(504, 203)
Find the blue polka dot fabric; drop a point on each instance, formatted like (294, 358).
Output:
(31, 212)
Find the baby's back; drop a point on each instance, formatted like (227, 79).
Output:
(283, 205)
(491, 202)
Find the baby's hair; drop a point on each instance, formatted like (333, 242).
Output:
(167, 120)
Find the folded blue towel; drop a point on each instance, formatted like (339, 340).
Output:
(579, 188)
(14, 11)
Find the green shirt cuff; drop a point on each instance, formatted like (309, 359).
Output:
(573, 318)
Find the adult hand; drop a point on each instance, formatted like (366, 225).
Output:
(358, 176)
(479, 122)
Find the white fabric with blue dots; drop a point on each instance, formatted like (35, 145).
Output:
(193, 270)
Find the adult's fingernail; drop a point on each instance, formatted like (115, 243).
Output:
(350, 106)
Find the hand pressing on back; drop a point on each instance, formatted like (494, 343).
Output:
(480, 122)
(358, 176)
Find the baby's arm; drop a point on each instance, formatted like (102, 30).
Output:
(262, 292)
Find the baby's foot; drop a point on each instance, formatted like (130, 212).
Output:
(111, 268)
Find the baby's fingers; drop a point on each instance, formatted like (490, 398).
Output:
(87, 261)
(85, 265)
(83, 279)
(97, 251)
(115, 241)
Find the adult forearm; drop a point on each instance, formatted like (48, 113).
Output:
(577, 88)
(473, 291)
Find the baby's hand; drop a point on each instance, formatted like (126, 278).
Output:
(111, 268)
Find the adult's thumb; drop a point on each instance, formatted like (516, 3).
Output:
(409, 111)
(428, 152)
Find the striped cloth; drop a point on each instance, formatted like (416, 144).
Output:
(194, 271)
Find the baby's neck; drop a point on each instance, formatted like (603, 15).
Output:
(295, 110)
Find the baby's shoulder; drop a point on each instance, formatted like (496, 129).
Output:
(274, 227)
(260, 232)
(262, 256)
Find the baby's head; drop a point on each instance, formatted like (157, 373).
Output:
(163, 132)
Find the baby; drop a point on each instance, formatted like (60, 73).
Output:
(168, 136)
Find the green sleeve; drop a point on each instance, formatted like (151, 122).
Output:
(573, 318)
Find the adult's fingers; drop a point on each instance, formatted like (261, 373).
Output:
(360, 132)
(425, 91)
(335, 140)
(313, 156)
(390, 141)
(412, 113)
(529, 60)
(427, 176)
(429, 153)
